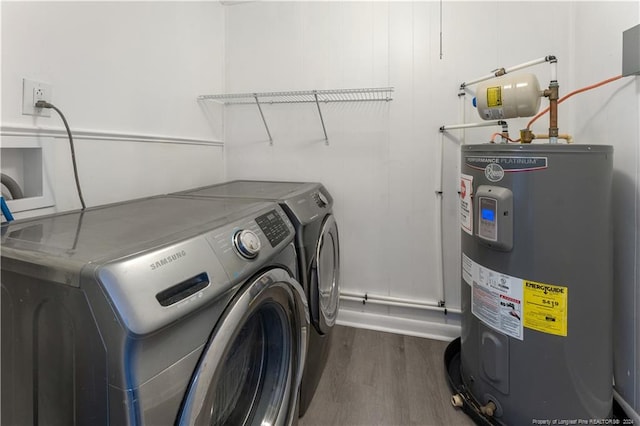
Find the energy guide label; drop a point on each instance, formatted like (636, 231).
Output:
(496, 298)
(546, 307)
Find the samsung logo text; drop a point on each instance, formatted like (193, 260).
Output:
(167, 260)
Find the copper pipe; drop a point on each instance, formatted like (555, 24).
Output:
(564, 136)
(552, 94)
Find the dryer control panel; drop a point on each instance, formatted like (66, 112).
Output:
(273, 227)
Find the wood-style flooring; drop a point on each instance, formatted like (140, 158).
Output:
(376, 378)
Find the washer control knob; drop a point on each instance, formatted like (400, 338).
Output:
(321, 199)
(246, 243)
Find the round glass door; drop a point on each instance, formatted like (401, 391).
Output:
(254, 373)
(328, 271)
(249, 372)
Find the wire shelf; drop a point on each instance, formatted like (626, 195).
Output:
(305, 96)
(302, 97)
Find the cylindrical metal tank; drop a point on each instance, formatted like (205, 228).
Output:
(508, 96)
(537, 281)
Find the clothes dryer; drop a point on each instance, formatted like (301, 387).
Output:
(310, 208)
(155, 311)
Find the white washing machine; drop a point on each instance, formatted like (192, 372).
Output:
(156, 311)
(310, 209)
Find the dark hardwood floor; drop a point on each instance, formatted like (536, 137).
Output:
(376, 378)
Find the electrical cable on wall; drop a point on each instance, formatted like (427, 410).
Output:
(44, 104)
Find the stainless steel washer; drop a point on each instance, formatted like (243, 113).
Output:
(156, 311)
(310, 208)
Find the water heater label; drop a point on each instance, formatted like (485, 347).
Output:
(507, 164)
(509, 303)
(496, 298)
(494, 96)
(545, 307)
(466, 203)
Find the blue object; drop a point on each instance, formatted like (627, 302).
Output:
(5, 210)
(488, 214)
(475, 102)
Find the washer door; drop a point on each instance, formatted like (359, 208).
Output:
(250, 371)
(325, 277)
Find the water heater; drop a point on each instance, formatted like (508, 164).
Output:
(537, 281)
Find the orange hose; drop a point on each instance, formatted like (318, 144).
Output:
(575, 92)
(500, 134)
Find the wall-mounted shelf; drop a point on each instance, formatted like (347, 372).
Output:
(375, 94)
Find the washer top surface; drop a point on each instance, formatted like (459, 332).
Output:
(304, 202)
(157, 259)
(265, 190)
(124, 228)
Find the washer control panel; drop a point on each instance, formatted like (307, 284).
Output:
(243, 246)
(274, 228)
(247, 243)
(320, 199)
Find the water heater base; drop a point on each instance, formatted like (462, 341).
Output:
(469, 404)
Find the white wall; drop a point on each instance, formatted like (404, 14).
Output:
(126, 75)
(382, 161)
(610, 115)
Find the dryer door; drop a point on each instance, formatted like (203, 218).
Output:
(250, 370)
(325, 276)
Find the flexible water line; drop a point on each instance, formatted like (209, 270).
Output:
(575, 92)
(14, 188)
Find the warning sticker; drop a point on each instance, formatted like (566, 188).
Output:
(509, 303)
(494, 96)
(466, 203)
(496, 298)
(545, 307)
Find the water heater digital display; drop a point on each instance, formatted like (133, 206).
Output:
(495, 217)
(488, 214)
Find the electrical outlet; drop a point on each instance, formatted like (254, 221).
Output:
(32, 92)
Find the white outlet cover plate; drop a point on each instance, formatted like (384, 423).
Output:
(28, 89)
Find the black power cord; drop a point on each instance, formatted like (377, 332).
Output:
(45, 104)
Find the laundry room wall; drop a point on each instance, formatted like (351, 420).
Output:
(610, 115)
(382, 161)
(126, 75)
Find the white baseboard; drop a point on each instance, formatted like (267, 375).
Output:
(447, 329)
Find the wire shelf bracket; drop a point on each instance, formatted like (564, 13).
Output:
(377, 94)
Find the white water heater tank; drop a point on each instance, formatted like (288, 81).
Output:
(508, 96)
